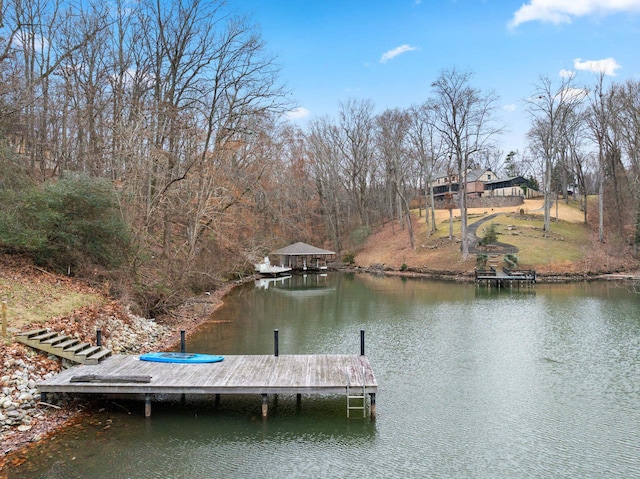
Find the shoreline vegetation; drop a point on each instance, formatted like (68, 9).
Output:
(37, 298)
(36, 420)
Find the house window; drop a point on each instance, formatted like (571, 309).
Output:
(489, 177)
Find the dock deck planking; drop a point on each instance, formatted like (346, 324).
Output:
(260, 374)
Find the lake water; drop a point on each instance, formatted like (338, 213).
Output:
(473, 383)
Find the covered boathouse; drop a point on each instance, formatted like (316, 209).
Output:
(304, 257)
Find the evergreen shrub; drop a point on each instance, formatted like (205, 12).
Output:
(65, 223)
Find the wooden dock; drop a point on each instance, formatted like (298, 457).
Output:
(505, 277)
(261, 375)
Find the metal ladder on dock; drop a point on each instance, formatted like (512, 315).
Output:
(63, 346)
(359, 396)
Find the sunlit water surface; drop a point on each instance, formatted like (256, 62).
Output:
(530, 383)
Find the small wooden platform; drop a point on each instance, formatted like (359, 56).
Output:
(286, 374)
(505, 277)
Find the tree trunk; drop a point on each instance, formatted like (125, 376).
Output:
(547, 197)
(601, 205)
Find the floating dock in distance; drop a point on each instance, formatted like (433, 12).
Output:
(236, 374)
(505, 278)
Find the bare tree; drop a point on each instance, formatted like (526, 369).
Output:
(603, 111)
(464, 119)
(356, 141)
(85, 77)
(325, 159)
(428, 147)
(579, 160)
(629, 115)
(393, 126)
(552, 111)
(238, 100)
(490, 157)
(629, 125)
(32, 54)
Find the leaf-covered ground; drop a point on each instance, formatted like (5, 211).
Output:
(37, 299)
(32, 294)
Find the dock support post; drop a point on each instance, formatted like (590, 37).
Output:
(265, 406)
(147, 405)
(362, 342)
(183, 349)
(275, 343)
(99, 337)
(216, 401)
(298, 400)
(373, 405)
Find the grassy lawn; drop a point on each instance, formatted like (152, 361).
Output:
(32, 301)
(564, 244)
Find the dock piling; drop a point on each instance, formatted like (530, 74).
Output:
(147, 405)
(275, 343)
(372, 408)
(183, 342)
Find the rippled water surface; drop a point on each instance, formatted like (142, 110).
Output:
(479, 383)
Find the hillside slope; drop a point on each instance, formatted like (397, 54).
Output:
(570, 249)
(35, 299)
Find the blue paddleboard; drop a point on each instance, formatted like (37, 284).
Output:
(184, 358)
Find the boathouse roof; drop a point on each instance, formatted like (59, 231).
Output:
(302, 249)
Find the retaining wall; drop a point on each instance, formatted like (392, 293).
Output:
(486, 202)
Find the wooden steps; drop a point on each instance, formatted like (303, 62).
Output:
(495, 261)
(63, 346)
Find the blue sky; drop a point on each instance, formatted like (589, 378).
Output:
(391, 51)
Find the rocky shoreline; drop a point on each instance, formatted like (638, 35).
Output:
(468, 276)
(25, 419)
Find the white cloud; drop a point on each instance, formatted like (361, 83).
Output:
(608, 66)
(574, 93)
(567, 73)
(297, 113)
(31, 39)
(562, 11)
(391, 54)
(509, 107)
